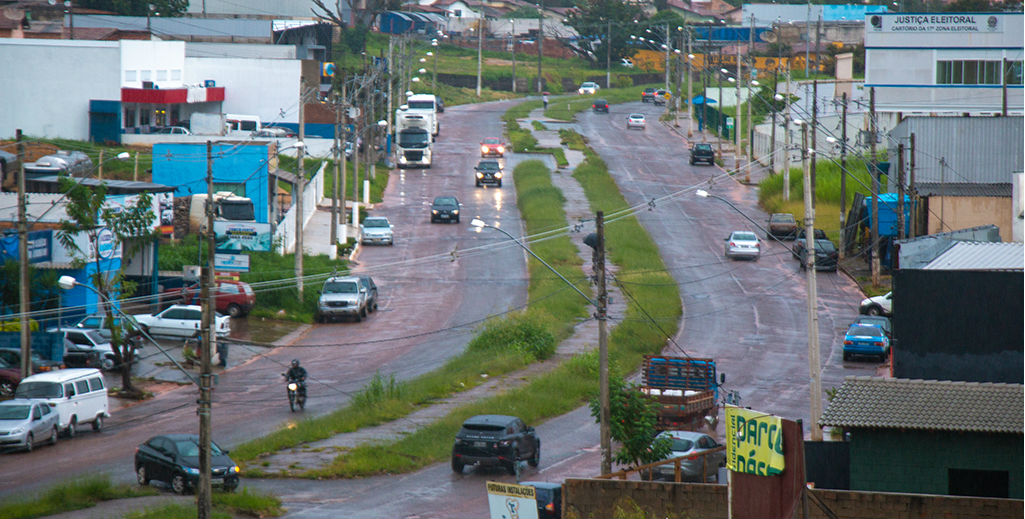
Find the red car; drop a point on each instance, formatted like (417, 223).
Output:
(10, 376)
(492, 147)
(234, 298)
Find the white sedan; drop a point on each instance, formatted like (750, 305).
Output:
(377, 229)
(181, 321)
(635, 121)
(743, 244)
(588, 88)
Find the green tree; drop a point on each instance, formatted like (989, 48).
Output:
(163, 8)
(601, 22)
(42, 287)
(128, 227)
(632, 420)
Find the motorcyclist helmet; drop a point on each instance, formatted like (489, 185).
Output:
(295, 363)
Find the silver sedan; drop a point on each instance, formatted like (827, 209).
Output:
(743, 244)
(704, 456)
(24, 423)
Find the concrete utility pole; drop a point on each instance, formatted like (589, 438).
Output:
(900, 191)
(603, 346)
(814, 366)
(690, 89)
(391, 109)
(737, 120)
(300, 189)
(807, 43)
(355, 157)
(668, 50)
(843, 177)
(203, 492)
(334, 188)
(608, 55)
(480, 49)
(786, 142)
(513, 21)
(814, 133)
(540, 42)
(750, 122)
(874, 243)
(24, 298)
(914, 191)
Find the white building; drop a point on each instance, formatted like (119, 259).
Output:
(77, 89)
(940, 63)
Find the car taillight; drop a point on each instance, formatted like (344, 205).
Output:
(550, 507)
(594, 106)
(848, 342)
(733, 244)
(878, 343)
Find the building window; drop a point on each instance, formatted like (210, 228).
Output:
(146, 75)
(129, 117)
(967, 72)
(236, 189)
(161, 75)
(1013, 72)
(176, 74)
(130, 76)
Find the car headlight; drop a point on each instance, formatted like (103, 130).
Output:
(191, 471)
(17, 430)
(498, 175)
(455, 211)
(483, 149)
(480, 175)
(434, 211)
(402, 158)
(501, 149)
(234, 469)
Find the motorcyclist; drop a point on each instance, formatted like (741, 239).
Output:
(298, 374)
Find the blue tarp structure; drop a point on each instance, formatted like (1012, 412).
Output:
(700, 100)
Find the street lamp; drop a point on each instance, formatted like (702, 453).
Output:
(596, 241)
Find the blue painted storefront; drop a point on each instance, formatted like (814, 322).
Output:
(183, 165)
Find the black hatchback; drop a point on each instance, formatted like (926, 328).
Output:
(495, 440)
(600, 105)
(488, 172)
(445, 209)
(174, 459)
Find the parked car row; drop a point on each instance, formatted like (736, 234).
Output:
(50, 404)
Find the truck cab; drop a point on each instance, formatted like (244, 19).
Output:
(426, 105)
(412, 139)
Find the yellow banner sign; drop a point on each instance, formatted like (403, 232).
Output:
(754, 442)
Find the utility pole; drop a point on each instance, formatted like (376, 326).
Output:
(480, 48)
(737, 120)
(721, 123)
(807, 43)
(818, 41)
(99, 167)
(300, 190)
(669, 45)
(900, 191)
(390, 113)
(874, 243)
(355, 158)
(750, 122)
(24, 299)
(603, 347)
(786, 142)
(914, 191)
(608, 54)
(513, 21)
(843, 176)
(203, 492)
(135, 169)
(540, 42)
(1003, 87)
(690, 89)
(345, 162)
(814, 133)
(814, 365)
(334, 188)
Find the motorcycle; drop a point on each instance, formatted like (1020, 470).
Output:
(296, 393)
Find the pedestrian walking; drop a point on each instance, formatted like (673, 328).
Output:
(544, 100)
(222, 354)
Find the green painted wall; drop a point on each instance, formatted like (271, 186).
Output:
(917, 461)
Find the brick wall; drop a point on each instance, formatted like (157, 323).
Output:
(593, 498)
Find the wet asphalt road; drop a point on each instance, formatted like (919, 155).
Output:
(751, 316)
(437, 283)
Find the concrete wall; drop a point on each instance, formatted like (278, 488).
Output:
(585, 498)
(263, 87)
(158, 61)
(46, 85)
(962, 212)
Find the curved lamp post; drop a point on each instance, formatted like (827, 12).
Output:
(597, 244)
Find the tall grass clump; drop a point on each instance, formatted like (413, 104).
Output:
(71, 496)
(827, 185)
(526, 333)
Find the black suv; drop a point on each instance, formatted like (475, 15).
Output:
(488, 172)
(702, 152)
(600, 105)
(490, 439)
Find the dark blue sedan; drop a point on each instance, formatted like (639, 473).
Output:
(866, 339)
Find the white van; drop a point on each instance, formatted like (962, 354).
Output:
(78, 395)
(238, 124)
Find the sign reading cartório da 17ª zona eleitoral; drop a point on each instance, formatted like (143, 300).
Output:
(754, 442)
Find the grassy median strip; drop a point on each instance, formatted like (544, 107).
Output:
(67, 497)
(564, 109)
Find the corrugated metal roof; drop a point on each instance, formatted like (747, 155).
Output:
(975, 150)
(928, 405)
(970, 255)
(180, 27)
(962, 189)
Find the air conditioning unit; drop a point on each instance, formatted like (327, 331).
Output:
(147, 84)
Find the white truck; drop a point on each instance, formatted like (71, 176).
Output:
(426, 105)
(412, 139)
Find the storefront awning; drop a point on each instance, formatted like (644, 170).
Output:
(167, 96)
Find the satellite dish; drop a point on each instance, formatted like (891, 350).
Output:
(768, 36)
